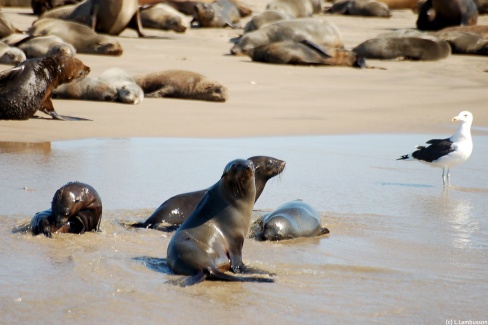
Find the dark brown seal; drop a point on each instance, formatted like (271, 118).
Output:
(438, 14)
(177, 208)
(181, 84)
(188, 7)
(367, 8)
(43, 223)
(305, 53)
(27, 88)
(221, 13)
(210, 240)
(291, 220)
(86, 89)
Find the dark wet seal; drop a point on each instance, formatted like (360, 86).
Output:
(438, 14)
(26, 88)
(172, 212)
(164, 17)
(290, 220)
(209, 242)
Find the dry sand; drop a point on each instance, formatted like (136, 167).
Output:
(268, 100)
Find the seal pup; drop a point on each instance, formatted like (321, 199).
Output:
(128, 91)
(103, 16)
(79, 204)
(291, 220)
(405, 45)
(43, 223)
(11, 55)
(210, 240)
(27, 87)
(314, 30)
(39, 46)
(80, 36)
(447, 153)
(438, 14)
(305, 53)
(367, 8)
(177, 208)
(264, 18)
(181, 84)
(164, 17)
(296, 8)
(221, 13)
(86, 89)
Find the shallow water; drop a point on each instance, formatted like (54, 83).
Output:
(400, 247)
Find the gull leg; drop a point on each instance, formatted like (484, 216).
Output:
(448, 177)
(444, 177)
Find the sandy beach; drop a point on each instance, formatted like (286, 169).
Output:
(270, 100)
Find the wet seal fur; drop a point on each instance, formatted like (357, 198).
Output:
(210, 241)
(163, 17)
(367, 8)
(80, 36)
(103, 16)
(305, 53)
(291, 220)
(314, 30)
(221, 13)
(181, 84)
(438, 14)
(404, 44)
(176, 209)
(27, 87)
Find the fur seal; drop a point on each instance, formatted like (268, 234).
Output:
(210, 240)
(314, 30)
(11, 55)
(368, 8)
(181, 84)
(464, 42)
(177, 208)
(404, 44)
(103, 16)
(39, 46)
(128, 91)
(188, 7)
(401, 4)
(296, 8)
(6, 26)
(482, 6)
(41, 6)
(164, 17)
(43, 223)
(79, 204)
(264, 18)
(481, 30)
(221, 13)
(81, 37)
(86, 89)
(438, 14)
(291, 220)
(27, 87)
(305, 53)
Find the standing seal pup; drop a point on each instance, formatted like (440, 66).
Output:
(210, 241)
(128, 91)
(292, 220)
(176, 209)
(181, 84)
(27, 88)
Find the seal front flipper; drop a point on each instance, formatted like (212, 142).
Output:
(317, 48)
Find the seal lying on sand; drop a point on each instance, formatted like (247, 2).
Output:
(188, 7)
(181, 84)
(164, 17)
(305, 53)
(291, 220)
(39, 46)
(41, 6)
(314, 30)
(103, 16)
(438, 14)
(86, 89)
(81, 37)
(177, 208)
(296, 8)
(481, 30)
(264, 18)
(210, 240)
(464, 42)
(27, 88)
(221, 13)
(368, 8)
(11, 55)
(404, 44)
(127, 89)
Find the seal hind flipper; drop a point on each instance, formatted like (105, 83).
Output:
(244, 269)
(324, 231)
(317, 48)
(189, 280)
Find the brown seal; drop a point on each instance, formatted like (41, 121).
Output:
(367, 8)
(86, 89)
(464, 42)
(296, 8)
(481, 30)
(305, 53)
(27, 88)
(221, 13)
(11, 55)
(210, 240)
(103, 16)
(181, 84)
(404, 44)
(43, 223)
(482, 6)
(264, 18)
(438, 14)
(291, 220)
(39, 46)
(164, 17)
(80, 36)
(177, 208)
(315, 30)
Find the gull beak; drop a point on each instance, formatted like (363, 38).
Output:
(455, 118)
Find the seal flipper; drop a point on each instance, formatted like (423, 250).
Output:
(244, 269)
(189, 280)
(323, 231)
(317, 48)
